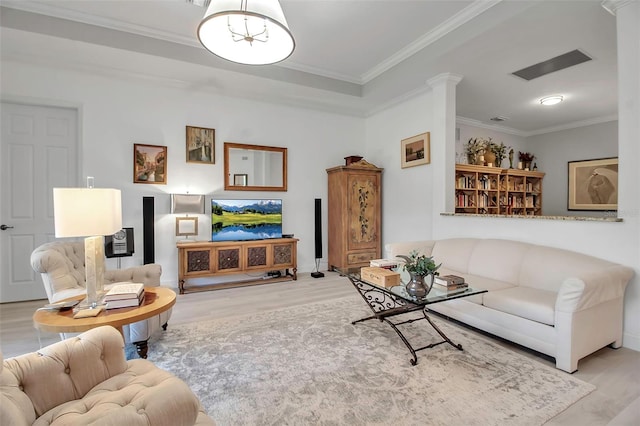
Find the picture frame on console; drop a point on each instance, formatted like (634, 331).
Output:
(186, 226)
(416, 150)
(200, 145)
(593, 184)
(149, 164)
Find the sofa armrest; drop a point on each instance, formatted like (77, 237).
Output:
(67, 370)
(593, 288)
(149, 275)
(391, 250)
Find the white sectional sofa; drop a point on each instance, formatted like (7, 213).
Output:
(558, 302)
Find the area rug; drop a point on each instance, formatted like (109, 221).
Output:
(308, 365)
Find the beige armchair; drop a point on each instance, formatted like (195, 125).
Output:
(61, 265)
(87, 380)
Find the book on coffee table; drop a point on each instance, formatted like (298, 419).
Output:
(124, 291)
(448, 280)
(125, 303)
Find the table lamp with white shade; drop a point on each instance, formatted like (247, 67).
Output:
(90, 213)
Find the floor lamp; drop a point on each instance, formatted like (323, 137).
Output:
(90, 213)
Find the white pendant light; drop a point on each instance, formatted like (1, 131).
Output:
(252, 32)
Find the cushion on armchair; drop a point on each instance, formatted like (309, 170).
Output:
(86, 380)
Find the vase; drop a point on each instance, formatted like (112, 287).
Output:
(489, 158)
(419, 285)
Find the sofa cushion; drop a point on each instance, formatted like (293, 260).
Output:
(498, 259)
(526, 302)
(142, 395)
(483, 283)
(546, 267)
(454, 253)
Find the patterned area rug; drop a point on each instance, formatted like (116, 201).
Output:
(308, 365)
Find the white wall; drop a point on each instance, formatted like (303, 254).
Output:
(115, 114)
(554, 150)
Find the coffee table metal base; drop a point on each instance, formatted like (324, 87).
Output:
(386, 306)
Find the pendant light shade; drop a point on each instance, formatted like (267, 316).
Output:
(252, 32)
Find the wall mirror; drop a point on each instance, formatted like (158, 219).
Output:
(254, 167)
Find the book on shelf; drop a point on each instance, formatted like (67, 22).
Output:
(124, 291)
(384, 263)
(448, 280)
(125, 303)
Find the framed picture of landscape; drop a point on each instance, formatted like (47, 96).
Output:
(415, 150)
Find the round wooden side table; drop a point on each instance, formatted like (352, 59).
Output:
(156, 301)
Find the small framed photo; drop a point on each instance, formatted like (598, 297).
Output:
(240, 180)
(415, 150)
(593, 184)
(201, 143)
(149, 164)
(187, 225)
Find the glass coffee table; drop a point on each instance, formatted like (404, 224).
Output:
(386, 303)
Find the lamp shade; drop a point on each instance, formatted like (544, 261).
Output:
(253, 32)
(187, 203)
(82, 212)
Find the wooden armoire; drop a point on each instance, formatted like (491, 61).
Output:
(355, 194)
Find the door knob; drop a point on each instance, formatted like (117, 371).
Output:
(4, 227)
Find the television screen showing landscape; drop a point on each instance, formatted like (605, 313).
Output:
(242, 220)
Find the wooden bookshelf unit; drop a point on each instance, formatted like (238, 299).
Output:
(492, 190)
(203, 259)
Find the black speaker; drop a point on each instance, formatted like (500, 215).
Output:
(318, 228)
(148, 233)
(318, 237)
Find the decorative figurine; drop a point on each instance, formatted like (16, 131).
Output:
(511, 158)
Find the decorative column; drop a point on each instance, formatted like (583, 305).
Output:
(443, 140)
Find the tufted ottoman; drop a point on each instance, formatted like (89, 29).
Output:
(87, 380)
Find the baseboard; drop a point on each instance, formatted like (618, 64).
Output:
(631, 341)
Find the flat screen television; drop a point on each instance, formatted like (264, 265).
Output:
(244, 220)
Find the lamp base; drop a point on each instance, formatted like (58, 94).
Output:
(86, 304)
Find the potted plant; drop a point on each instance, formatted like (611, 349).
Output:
(474, 147)
(419, 266)
(526, 158)
(500, 151)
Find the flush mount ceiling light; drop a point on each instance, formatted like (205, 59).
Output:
(252, 32)
(551, 100)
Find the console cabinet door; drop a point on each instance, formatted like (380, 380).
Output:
(284, 255)
(257, 256)
(197, 261)
(228, 259)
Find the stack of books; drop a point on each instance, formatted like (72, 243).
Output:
(450, 282)
(124, 295)
(384, 263)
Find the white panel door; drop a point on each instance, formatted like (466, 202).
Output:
(39, 151)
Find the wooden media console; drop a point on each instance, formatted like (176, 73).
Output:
(202, 259)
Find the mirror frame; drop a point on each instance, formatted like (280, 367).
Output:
(231, 145)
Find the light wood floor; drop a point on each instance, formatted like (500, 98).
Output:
(615, 373)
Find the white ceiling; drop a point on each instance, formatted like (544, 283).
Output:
(354, 57)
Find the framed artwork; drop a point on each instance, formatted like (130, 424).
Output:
(593, 184)
(415, 150)
(240, 179)
(149, 164)
(201, 143)
(187, 225)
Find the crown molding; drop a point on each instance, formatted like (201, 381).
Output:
(574, 125)
(612, 6)
(497, 128)
(457, 20)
